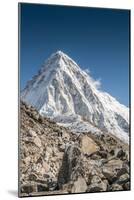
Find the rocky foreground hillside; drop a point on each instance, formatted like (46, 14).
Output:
(55, 161)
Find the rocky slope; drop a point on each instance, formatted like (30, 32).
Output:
(54, 160)
(63, 91)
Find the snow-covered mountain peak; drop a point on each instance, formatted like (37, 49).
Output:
(60, 60)
(61, 53)
(58, 55)
(64, 92)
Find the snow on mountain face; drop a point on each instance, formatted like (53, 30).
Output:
(64, 92)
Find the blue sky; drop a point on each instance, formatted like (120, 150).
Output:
(97, 39)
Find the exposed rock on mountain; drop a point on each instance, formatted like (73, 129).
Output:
(68, 95)
(53, 160)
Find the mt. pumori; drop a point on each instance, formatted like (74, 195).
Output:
(65, 93)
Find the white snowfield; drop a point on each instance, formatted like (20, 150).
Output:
(64, 92)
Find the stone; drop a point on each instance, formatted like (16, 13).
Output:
(124, 179)
(37, 142)
(32, 133)
(120, 153)
(114, 164)
(109, 174)
(45, 167)
(112, 152)
(33, 177)
(60, 155)
(79, 185)
(66, 136)
(95, 179)
(97, 184)
(49, 150)
(28, 188)
(42, 187)
(27, 160)
(126, 165)
(103, 154)
(94, 189)
(126, 186)
(61, 148)
(46, 176)
(116, 187)
(52, 185)
(88, 146)
(70, 160)
(121, 171)
(95, 156)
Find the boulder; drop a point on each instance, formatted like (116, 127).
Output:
(126, 186)
(97, 184)
(114, 164)
(94, 189)
(37, 142)
(102, 154)
(61, 147)
(116, 187)
(124, 178)
(113, 169)
(28, 188)
(70, 161)
(27, 160)
(109, 174)
(45, 167)
(65, 136)
(52, 185)
(32, 133)
(95, 156)
(121, 171)
(119, 153)
(42, 187)
(49, 149)
(79, 185)
(33, 177)
(88, 146)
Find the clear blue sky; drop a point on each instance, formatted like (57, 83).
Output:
(97, 39)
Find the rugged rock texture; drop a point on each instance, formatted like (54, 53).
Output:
(54, 160)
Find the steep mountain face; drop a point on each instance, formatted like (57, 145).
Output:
(64, 92)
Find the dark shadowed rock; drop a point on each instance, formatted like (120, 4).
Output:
(69, 162)
(97, 184)
(122, 171)
(42, 187)
(123, 179)
(126, 186)
(116, 187)
(28, 188)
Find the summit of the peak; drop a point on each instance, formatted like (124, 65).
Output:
(63, 58)
(60, 53)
